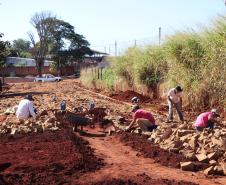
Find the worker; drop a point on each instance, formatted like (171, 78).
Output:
(144, 119)
(175, 98)
(135, 100)
(25, 108)
(91, 105)
(63, 106)
(207, 120)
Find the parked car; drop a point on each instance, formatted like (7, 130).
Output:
(47, 78)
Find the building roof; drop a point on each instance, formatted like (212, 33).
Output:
(99, 52)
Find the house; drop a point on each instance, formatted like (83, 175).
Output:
(16, 66)
(24, 62)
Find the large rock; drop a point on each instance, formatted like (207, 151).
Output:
(217, 133)
(223, 165)
(218, 170)
(43, 113)
(216, 141)
(186, 138)
(121, 119)
(174, 150)
(51, 120)
(190, 155)
(224, 143)
(25, 129)
(209, 171)
(213, 155)
(3, 118)
(212, 162)
(181, 133)
(53, 128)
(202, 157)
(187, 166)
(177, 143)
(38, 128)
(14, 131)
(167, 133)
(194, 142)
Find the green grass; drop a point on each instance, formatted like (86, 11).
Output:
(196, 61)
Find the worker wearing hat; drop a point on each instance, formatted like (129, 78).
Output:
(25, 108)
(144, 119)
(207, 120)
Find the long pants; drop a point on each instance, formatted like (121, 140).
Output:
(178, 108)
(146, 125)
(210, 125)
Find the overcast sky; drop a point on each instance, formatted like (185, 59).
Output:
(104, 21)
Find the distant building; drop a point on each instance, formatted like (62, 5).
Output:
(24, 62)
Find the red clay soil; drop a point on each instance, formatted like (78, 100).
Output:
(150, 150)
(142, 179)
(45, 158)
(128, 95)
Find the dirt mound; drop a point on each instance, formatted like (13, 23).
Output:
(128, 95)
(45, 158)
(148, 149)
(142, 179)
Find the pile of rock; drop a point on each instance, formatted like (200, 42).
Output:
(204, 150)
(206, 147)
(44, 122)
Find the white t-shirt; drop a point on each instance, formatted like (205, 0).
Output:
(25, 108)
(175, 97)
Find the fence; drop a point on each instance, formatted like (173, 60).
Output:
(25, 71)
(32, 71)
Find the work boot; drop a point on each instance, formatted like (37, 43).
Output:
(169, 121)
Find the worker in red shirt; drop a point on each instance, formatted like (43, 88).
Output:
(144, 119)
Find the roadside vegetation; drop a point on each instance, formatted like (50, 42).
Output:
(56, 40)
(194, 60)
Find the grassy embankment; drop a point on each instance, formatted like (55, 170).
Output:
(196, 61)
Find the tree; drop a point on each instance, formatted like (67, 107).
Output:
(3, 54)
(3, 50)
(20, 48)
(43, 23)
(57, 38)
(62, 35)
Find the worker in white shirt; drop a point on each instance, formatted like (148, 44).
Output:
(175, 98)
(26, 109)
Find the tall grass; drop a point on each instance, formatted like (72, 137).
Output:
(196, 61)
(89, 77)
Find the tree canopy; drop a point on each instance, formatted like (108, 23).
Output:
(3, 50)
(58, 40)
(20, 48)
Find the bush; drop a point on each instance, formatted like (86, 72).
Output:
(196, 61)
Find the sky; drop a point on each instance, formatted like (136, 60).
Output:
(102, 22)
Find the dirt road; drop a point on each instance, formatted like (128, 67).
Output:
(122, 164)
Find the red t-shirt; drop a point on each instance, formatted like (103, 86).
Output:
(202, 119)
(140, 113)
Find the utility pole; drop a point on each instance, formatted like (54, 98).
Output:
(160, 34)
(135, 43)
(115, 48)
(109, 50)
(105, 49)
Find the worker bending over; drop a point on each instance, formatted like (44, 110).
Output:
(206, 120)
(143, 119)
(25, 108)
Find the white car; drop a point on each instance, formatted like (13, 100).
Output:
(47, 78)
